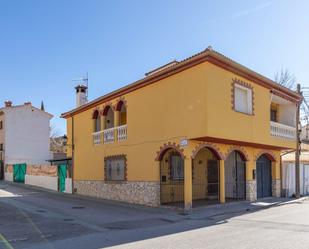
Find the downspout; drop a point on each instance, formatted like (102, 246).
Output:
(73, 155)
(281, 188)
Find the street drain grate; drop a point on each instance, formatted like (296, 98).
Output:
(46, 236)
(17, 240)
(68, 219)
(41, 211)
(78, 207)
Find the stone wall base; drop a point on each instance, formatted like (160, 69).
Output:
(251, 190)
(276, 188)
(144, 193)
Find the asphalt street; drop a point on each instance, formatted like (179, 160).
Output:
(36, 219)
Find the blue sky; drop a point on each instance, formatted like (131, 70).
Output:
(46, 44)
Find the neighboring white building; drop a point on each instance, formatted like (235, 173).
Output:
(24, 134)
(288, 169)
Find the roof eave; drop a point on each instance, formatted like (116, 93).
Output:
(206, 55)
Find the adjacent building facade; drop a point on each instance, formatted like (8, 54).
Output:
(24, 136)
(202, 130)
(288, 167)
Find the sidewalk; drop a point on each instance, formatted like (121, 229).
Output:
(240, 207)
(229, 209)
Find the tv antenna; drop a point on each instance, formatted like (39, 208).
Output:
(82, 81)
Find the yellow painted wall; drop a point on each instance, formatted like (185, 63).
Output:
(224, 122)
(193, 103)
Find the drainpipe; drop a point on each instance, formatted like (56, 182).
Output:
(297, 154)
(72, 154)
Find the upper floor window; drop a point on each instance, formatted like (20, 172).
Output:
(242, 99)
(273, 115)
(1, 147)
(96, 121)
(115, 168)
(1, 125)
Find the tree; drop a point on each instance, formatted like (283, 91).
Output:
(54, 131)
(285, 78)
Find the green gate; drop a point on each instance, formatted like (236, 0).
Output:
(62, 174)
(19, 172)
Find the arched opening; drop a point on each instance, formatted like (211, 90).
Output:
(205, 177)
(121, 107)
(109, 117)
(235, 176)
(171, 178)
(264, 176)
(96, 121)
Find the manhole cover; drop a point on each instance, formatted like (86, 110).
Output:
(78, 207)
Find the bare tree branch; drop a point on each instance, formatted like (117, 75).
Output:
(54, 132)
(285, 78)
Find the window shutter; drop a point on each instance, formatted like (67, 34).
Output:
(241, 100)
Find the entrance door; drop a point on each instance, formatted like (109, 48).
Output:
(213, 179)
(235, 177)
(19, 172)
(263, 177)
(62, 174)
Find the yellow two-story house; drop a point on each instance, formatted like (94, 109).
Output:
(199, 131)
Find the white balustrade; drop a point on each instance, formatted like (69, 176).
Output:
(97, 137)
(283, 131)
(122, 132)
(108, 135)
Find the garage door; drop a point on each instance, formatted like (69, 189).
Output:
(263, 177)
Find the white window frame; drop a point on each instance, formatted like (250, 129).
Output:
(249, 99)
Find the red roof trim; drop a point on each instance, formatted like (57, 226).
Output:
(207, 55)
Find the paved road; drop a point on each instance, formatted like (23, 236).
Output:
(31, 218)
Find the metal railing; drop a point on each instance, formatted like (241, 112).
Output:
(283, 131)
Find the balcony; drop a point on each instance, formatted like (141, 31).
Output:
(122, 132)
(96, 136)
(108, 136)
(282, 131)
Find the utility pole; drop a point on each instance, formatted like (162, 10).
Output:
(297, 152)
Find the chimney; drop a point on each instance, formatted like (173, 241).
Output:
(28, 103)
(8, 103)
(81, 95)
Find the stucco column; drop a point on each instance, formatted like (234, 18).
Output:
(276, 181)
(103, 120)
(222, 181)
(188, 183)
(116, 123)
(251, 191)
